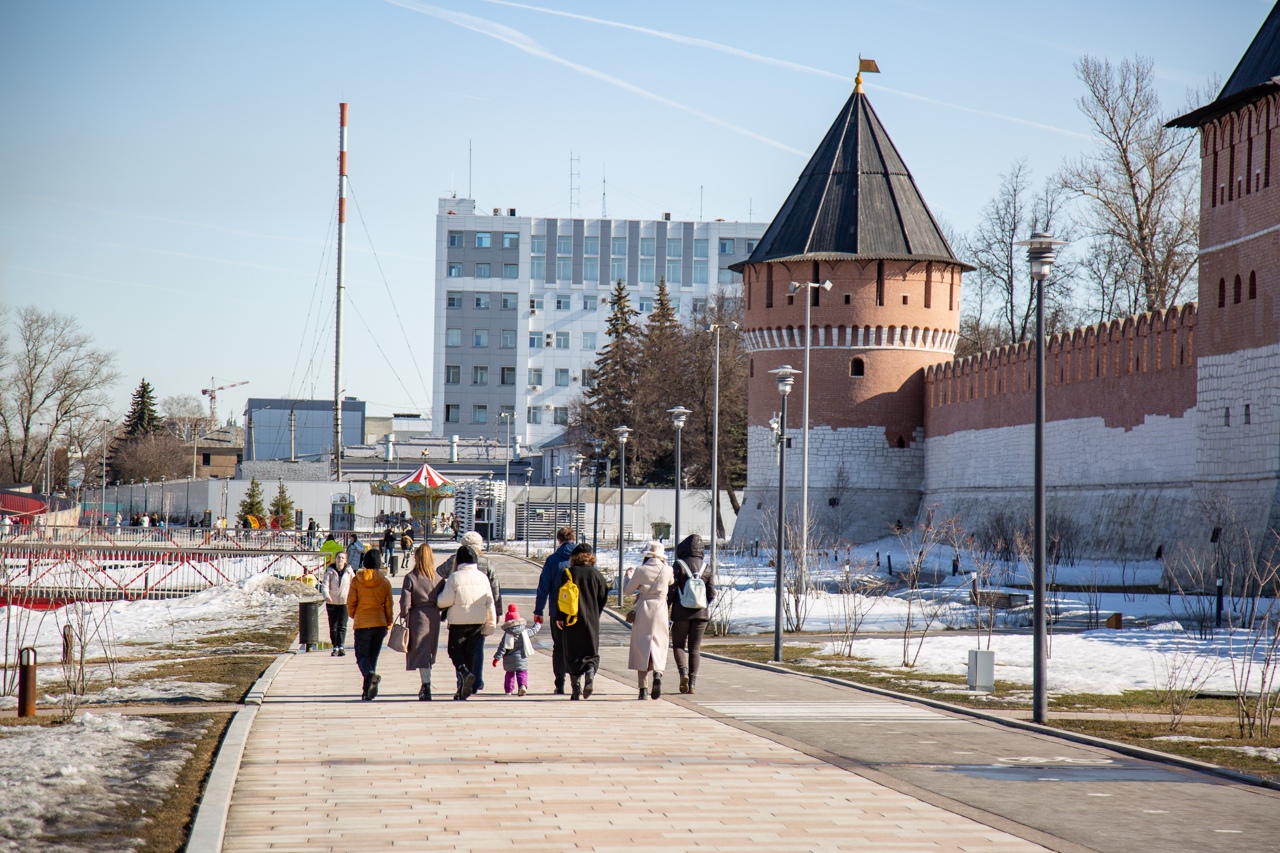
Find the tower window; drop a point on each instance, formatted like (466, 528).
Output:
(1247, 416)
(1222, 293)
(904, 299)
(857, 367)
(768, 286)
(1235, 291)
(1226, 417)
(1253, 284)
(880, 283)
(902, 442)
(848, 299)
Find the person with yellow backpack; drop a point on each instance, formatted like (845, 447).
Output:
(579, 595)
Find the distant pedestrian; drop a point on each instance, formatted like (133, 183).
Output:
(688, 625)
(369, 605)
(312, 529)
(469, 599)
(355, 550)
(515, 649)
(336, 588)
(649, 632)
(418, 609)
(581, 632)
(566, 541)
(388, 544)
(406, 545)
(331, 548)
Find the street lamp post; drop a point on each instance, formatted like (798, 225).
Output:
(506, 477)
(715, 448)
(597, 444)
(555, 501)
(811, 289)
(163, 512)
(578, 459)
(146, 500)
(1040, 256)
(785, 376)
(679, 414)
(528, 478)
(621, 432)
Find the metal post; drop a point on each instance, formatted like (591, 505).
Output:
(622, 432)
(715, 457)
(293, 426)
(506, 477)
(785, 376)
(809, 290)
(679, 414)
(528, 477)
(337, 316)
(595, 525)
(555, 501)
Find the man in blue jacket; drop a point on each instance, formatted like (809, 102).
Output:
(551, 569)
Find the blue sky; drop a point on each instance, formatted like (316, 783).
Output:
(170, 174)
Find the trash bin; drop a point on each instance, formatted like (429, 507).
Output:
(309, 625)
(395, 564)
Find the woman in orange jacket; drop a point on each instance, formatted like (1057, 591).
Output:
(369, 604)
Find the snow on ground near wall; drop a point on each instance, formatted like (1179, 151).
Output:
(66, 781)
(1268, 752)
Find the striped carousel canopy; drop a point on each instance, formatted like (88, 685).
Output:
(424, 478)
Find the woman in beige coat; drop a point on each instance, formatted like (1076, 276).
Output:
(422, 617)
(650, 634)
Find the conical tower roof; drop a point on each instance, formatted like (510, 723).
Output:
(855, 200)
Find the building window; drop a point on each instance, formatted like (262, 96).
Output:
(480, 338)
(590, 269)
(538, 244)
(560, 415)
(645, 305)
(727, 277)
(648, 247)
(510, 270)
(479, 414)
(482, 300)
(675, 248)
(508, 339)
(533, 415)
(700, 249)
(673, 272)
(564, 244)
(591, 245)
(618, 269)
(564, 269)
(454, 299)
(1235, 291)
(751, 246)
(483, 241)
(588, 378)
(535, 340)
(451, 413)
(1253, 284)
(564, 302)
(206, 459)
(509, 301)
(618, 246)
(535, 375)
(455, 239)
(589, 341)
(880, 283)
(699, 306)
(480, 375)
(589, 303)
(1248, 417)
(1226, 417)
(507, 414)
(700, 272)
(1222, 293)
(452, 374)
(455, 270)
(538, 269)
(453, 337)
(562, 340)
(857, 367)
(562, 377)
(535, 303)
(508, 376)
(647, 270)
(482, 271)
(510, 240)
(768, 286)
(726, 245)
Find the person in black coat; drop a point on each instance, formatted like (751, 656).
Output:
(688, 626)
(582, 638)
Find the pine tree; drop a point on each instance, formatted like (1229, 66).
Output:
(143, 419)
(282, 508)
(663, 380)
(608, 402)
(252, 503)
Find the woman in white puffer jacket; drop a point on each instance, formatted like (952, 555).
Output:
(337, 583)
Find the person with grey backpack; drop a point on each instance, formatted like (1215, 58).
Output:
(690, 596)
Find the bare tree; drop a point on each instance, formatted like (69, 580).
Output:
(858, 590)
(151, 457)
(924, 607)
(184, 416)
(1139, 186)
(52, 377)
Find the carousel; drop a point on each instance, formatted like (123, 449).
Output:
(424, 489)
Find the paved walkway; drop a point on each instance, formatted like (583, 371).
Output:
(761, 760)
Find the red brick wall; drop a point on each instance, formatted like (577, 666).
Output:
(1120, 371)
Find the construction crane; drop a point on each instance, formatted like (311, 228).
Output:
(212, 393)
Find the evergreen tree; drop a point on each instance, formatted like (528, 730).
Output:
(608, 402)
(282, 508)
(663, 381)
(143, 420)
(252, 503)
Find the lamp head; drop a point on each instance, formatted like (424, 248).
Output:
(775, 422)
(598, 444)
(1041, 253)
(622, 432)
(679, 414)
(556, 470)
(785, 376)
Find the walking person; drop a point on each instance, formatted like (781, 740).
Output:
(369, 605)
(418, 608)
(566, 541)
(476, 541)
(337, 586)
(312, 529)
(469, 599)
(355, 550)
(514, 649)
(581, 630)
(330, 548)
(649, 632)
(406, 544)
(389, 548)
(689, 624)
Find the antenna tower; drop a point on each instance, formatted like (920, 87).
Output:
(604, 194)
(575, 177)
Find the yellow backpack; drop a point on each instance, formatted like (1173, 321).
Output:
(567, 600)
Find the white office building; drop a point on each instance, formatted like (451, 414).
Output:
(522, 306)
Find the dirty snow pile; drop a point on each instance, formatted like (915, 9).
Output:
(65, 785)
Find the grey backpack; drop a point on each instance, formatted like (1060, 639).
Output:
(693, 594)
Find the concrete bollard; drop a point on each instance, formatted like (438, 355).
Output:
(27, 682)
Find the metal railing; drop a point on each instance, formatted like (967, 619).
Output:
(232, 539)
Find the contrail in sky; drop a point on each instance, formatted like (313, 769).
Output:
(522, 42)
(782, 63)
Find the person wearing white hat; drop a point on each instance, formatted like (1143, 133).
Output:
(649, 634)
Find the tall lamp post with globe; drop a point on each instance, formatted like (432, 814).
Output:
(785, 376)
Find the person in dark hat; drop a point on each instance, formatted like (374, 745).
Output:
(581, 633)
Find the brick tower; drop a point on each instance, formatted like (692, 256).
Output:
(854, 218)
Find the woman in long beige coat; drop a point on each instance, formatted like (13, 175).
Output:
(418, 609)
(650, 634)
